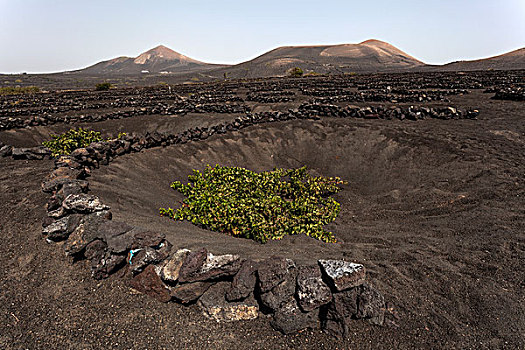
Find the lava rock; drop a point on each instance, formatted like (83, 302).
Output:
(282, 293)
(361, 302)
(67, 161)
(290, 319)
(202, 266)
(62, 228)
(95, 250)
(370, 304)
(79, 153)
(86, 232)
(170, 270)
(109, 264)
(312, 292)
(57, 183)
(193, 264)
(189, 292)
(149, 283)
(83, 203)
(116, 237)
(142, 239)
(273, 271)
(243, 282)
(215, 306)
(342, 274)
(5, 151)
(73, 187)
(140, 258)
(337, 314)
(53, 203)
(46, 221)
(34, 153)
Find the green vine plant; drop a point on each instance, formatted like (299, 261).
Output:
(260, 206)
(69, 141)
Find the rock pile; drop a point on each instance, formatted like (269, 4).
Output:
(160, 108)
(380, 112)
(328, 294)
(270, 96)
(102, 152)
(517, 94)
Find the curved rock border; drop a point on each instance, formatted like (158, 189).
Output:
(326, 294)
(182, 107)
(510, 94)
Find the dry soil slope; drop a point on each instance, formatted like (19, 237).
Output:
(156, 60)
(368, 56)
(508, 61)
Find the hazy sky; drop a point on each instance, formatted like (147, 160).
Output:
(56, 35)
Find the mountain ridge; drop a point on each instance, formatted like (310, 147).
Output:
(159, 59)
(368, 56)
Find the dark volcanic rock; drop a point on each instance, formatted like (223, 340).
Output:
(202, 266)
(61, 176)
(140, 258)
(363, 301)
(273, 271)
(103, 263)
(35, 153)
(370, 304)
(116, 236)
(67, 161)
(53, 203)
(86, 232)
(73, 187)
(189, 292)
(282, 293)
(215, 306)
(62, 228)
(243, 282)
(342, 274)
(109, 264)
(96, 250)
(290, 318)
(149, 283)
(312, 292)
(5, 151)
(83, 203)
(170, 270)
(193, 264)
(142, 239)
(336, 315)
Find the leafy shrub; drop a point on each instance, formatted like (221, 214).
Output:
(260, 206)
(71, 140)
(295, 72)
(312, 74)
(12, 90)
(103, 86)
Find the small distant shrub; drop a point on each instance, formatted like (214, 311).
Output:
(295, 72)
(312, 74)
(17, 90)
(103, 86)
(71, 140)
(260, 206)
